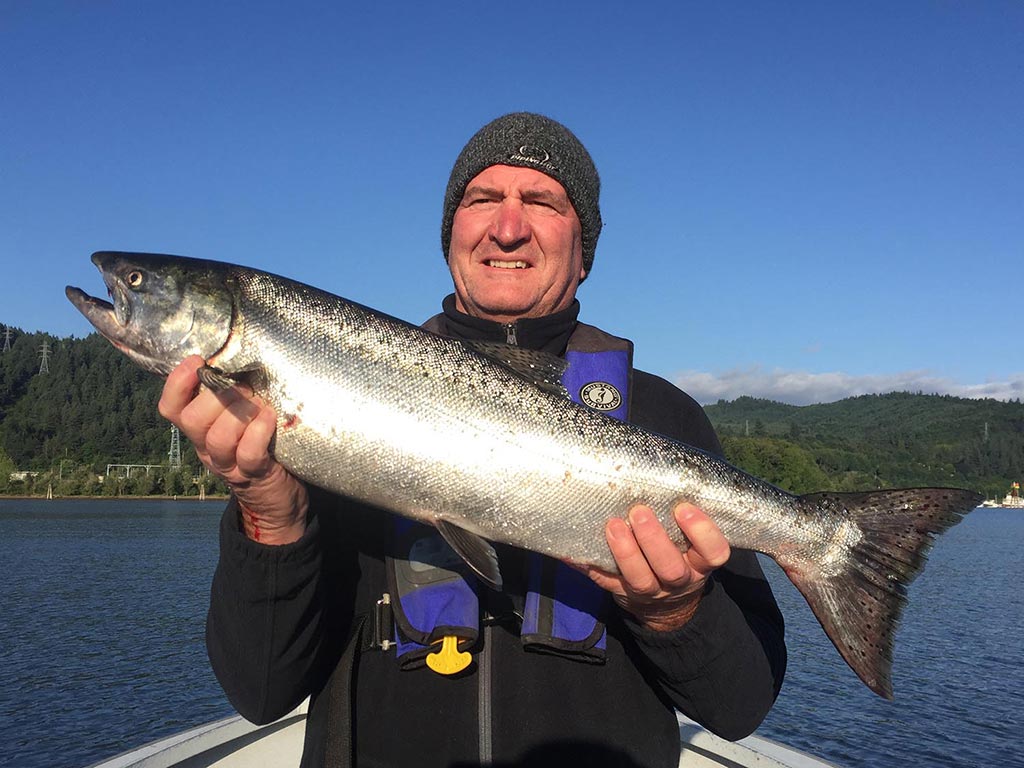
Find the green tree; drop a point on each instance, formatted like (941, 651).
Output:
(174, 483)
(143, 483)
(779, 462)
(6, 468)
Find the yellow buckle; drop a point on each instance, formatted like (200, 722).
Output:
(449, 659)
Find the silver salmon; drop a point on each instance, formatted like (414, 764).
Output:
(483, 442)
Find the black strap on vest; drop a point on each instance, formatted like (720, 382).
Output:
(338, 752)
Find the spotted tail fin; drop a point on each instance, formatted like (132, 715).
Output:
(859, 603)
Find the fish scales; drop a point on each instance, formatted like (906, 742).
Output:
(429, 428)
(452, 434)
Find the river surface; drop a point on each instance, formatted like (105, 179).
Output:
(103, 606)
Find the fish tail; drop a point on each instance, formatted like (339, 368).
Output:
(859, 598)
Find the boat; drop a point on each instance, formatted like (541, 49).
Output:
(1012, 500)
(236, 743)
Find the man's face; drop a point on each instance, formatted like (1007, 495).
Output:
(516, 248)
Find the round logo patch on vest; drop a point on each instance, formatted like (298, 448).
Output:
(601, 396)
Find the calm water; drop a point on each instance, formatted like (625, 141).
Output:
(958, 670)
(102, 643)
(103, 612)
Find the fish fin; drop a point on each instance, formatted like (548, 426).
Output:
(218, 380)
(540, 368)
(859, 601)
(215, 379)
(476, 551)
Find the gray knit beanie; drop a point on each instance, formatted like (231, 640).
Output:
(528, 140)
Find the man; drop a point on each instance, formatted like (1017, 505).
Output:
(579, 669)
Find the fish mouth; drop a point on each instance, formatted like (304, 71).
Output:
(102, 314)
(111, 320)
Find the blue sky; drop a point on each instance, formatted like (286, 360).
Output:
(801, 200)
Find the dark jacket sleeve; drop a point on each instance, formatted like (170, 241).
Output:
(724, 668)
(270, 633)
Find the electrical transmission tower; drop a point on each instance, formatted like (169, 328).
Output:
(7, 339)
(44, 356)
(174, 455)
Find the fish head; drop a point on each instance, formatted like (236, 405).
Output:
(162, 308)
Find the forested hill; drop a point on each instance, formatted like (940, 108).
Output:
(95, 407)
(898, 439)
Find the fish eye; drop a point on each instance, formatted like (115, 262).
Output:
(134, 278)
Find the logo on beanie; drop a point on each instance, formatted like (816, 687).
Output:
(533, 156)
(601, 396)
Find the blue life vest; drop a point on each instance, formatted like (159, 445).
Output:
(435, 597)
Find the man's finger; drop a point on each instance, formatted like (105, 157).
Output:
(180, 388)
(709, 549)
(663, 555)
(225, 433)
(633, 565)
(252, 455)
(198, 417)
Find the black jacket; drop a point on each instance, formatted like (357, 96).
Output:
(279, 618)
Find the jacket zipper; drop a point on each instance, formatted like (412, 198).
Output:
(484, 692)
(510, 334)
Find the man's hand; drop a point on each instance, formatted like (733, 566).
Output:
(231, 432)
(658, 583)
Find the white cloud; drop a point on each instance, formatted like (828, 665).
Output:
(803, 388)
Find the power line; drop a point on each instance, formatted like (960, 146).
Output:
(44, 356)
(174, 454)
